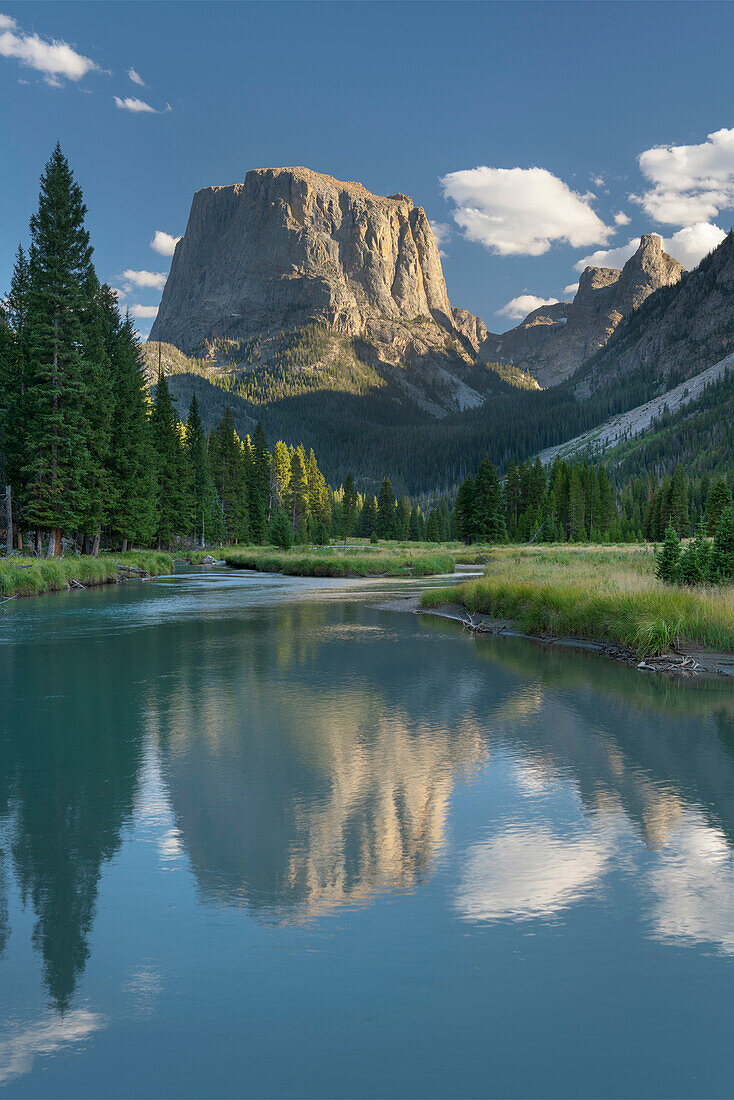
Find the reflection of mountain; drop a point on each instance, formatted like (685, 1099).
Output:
(70, 758)
(309, 787)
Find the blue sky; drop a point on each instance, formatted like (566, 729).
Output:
(556, 103)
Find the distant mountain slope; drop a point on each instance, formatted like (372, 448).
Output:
(622, 430)
(553, 341)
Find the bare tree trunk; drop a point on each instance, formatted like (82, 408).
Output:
(95, 545)
(8, 520)
(124, 546)
(52, 539)
(19, 536)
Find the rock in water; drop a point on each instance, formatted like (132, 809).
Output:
(291, 247)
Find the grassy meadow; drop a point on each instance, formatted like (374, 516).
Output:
(600, 593)
(23, 576)
(387, 559)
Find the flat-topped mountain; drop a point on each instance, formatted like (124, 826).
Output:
(291, 247)
(553, 341)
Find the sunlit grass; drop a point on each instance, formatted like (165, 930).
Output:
(602, 593)
(32, 577)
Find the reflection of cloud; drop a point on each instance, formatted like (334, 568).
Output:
(529, 871)
(19, 1050)
(143, 987)
(694, 884)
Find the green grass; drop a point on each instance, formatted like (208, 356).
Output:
(605, 594)
(388, 560)
(35, 576)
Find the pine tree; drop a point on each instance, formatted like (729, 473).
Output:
(368, 524)
(57, 451)
(576, 508)
(721, 558)
(299, 496)
(464, 511)
(280, 473)
(207, 512)
(402, 520)
(668, 557)
(349, 507)
(678, 502)
(98, 326)
(166, 448)
(281, 533)
(433, 527)
(230, 466)
(718, 498)
(259, 496)
(415, 532)
(386, 511)
(132, 479)
(14, 381)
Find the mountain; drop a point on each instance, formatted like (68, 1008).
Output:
(290, 251)
(674, 334)
(553, 341)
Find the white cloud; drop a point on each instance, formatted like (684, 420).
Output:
(690, 183)
(610, 257)
(56, 59)
(155, 280)
(119, 294)
(691, 244)
(522, 211)
(137, 106)
(598, 181)
(136, 78)
(571, 288)
(518, 308)
(620, 218)
(143, 311)
(688, 246)
(164, 243)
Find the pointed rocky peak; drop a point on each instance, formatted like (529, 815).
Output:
(648, 270)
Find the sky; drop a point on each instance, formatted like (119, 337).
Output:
(538, 137)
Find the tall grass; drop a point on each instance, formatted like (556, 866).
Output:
(332, 563)
(603, 594)
(33, 577)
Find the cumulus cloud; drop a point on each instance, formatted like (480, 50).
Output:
(689, 183)
(688, 246)
(137, 106)
(571, 288)
(165, 244)
(154, 280)
(57, 60)
(522, 211)
(136, 78)
(620, 218)
(518, 308)
(143, 311)
(442, 233)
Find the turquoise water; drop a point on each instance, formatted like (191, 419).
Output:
(258, 838)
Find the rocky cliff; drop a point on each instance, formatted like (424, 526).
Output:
(553, 341)
(289, 247)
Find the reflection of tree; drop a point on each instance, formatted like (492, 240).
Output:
(72, 754)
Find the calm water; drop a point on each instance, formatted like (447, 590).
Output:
(260, 839)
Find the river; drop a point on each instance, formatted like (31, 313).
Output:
(258, 838)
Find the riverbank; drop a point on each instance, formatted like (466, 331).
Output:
(383, 560)
(22, 576)
(605, 599)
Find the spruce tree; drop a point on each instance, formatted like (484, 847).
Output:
(132, 461)
(57, 451)
(415, 532)
(668, 557)
(718, 498)
(349, 507)
(299, 495)
(259, 497)
(280, 473)
(464, 511)
(207, 515)
(721, 558)
(166, 447)
(281, 534)
(386, 511)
